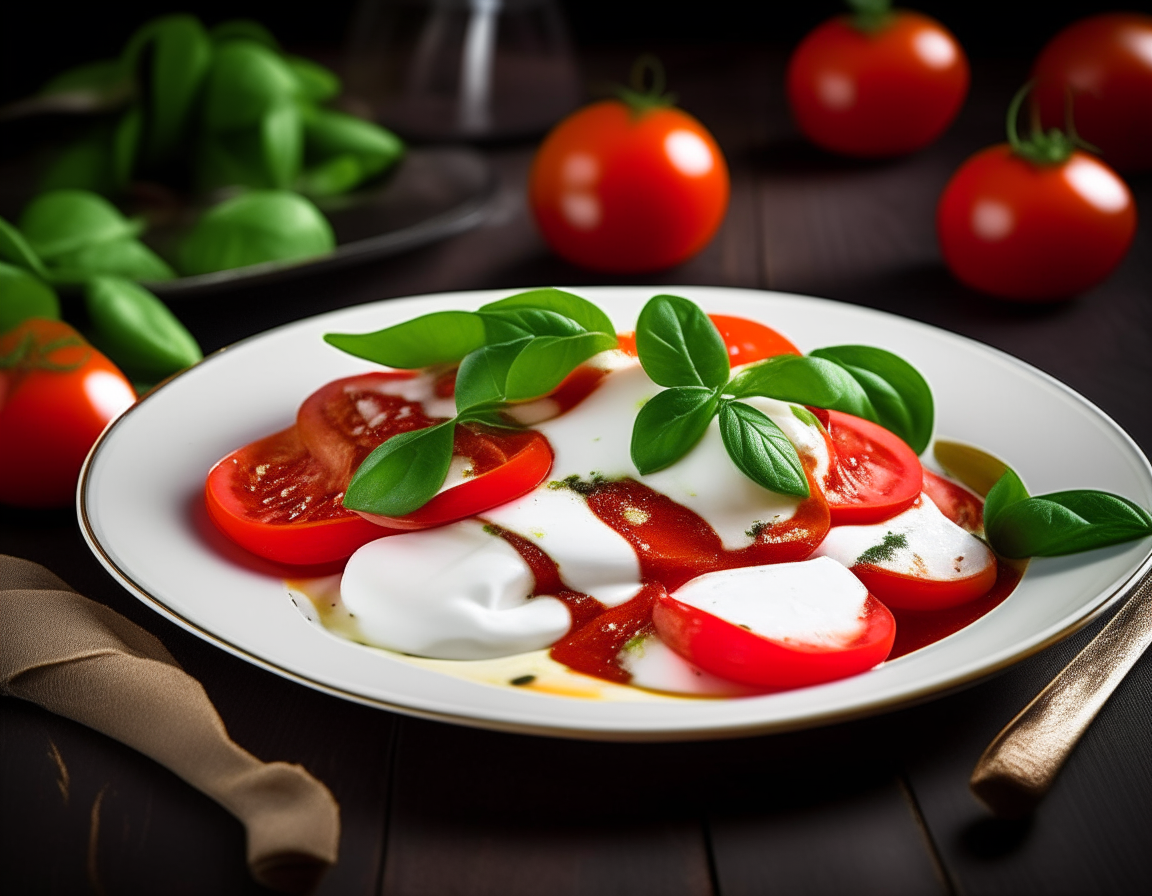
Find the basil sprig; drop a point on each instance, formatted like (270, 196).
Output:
(681, 349)
(513, 350)
(1019, 525)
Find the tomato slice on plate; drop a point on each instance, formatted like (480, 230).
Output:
(961, 506)
(876, 474)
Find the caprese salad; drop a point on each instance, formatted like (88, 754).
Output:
(694, 507)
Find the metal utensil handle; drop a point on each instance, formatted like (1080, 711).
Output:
(1023, 760)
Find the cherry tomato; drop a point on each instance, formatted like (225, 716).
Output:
(57, 393)
(877, 91)
(876, 474)
(628, 190)
(737, 654)
(1104, 63)
(747, 340)
(1034, 231)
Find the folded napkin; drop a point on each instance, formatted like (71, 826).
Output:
(81, 660)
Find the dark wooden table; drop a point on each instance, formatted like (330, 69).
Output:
(874, 806)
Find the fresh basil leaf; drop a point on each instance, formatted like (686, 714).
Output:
(256, 227)
(280, 138)
(126, 257)
(516, 323)
(315, 83)
(483, 375)
(245, 30)
(803, 380)
(245, 81)
(670, 424)
(137, 330)
(570, 306)
(679, 346)
(404, 473)
(126, 145)
(761, 451)
(332, 177)
(1008, 490)
(15, 249)
(547, 360)
(24, 296)
(85, 164)
(230, 159)
(170, 56)
(898, 392)
(1066, 523)
(330, 135)
(442, 337)
(65, 220)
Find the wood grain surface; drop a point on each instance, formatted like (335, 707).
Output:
(874, 806)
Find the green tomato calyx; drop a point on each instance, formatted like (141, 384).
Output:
(1051, 147)
(869, 16)
(647, 90)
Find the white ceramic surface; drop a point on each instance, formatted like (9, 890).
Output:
(142, 513)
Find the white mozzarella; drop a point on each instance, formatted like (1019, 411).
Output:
(814, 602)
(656, 666)
(919, 542)
(456, 593)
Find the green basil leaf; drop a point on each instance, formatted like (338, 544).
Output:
(1008, 490)
(679, 346)
(127, 258)
(137, 330)
(442, 337)
(761, 451)
(256, 227)
(404, 473)
(171, 56)
(126, 145)
(245, 81)
(245, 30)
(898, 392)
(329, 133)
(24, 296)
(803, 380)
(280, 138)
(315, 83)
(15, 249)
(332, 177)
(231, 159)
(570, 306)
(65, 220)
(1066, 523)
(547, 360)
(85, 164)
(516, 323)
(483, 375)
(670, 424)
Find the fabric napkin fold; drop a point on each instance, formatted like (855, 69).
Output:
(79, 659)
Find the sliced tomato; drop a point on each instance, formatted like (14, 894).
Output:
(505, 465)
(747, 340)
(904, 592)
(738, 654)
(963, 507)
(875, 474)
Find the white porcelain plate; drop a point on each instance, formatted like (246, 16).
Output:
(141, 509)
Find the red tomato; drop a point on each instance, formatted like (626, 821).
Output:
(1032, 231)
(876, 474)
(881, 92)
(904, 592)
(747, 340)
(57, 394)
(737, 654)
(961, 506)
(1105, 63)
(628, 191)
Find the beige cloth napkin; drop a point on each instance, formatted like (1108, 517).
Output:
(80, 659)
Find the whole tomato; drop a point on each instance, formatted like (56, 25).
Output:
(1034, 220)
(878, 83)
(629, 186)
(1103, 65)
(57, 393)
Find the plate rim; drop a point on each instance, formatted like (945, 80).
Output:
(906, 697)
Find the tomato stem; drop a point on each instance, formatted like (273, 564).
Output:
(641, 98)
(29, 355)
(1043, 148)
(869, 16)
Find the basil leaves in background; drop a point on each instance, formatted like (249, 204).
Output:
(516, 349)
(681, 349)
(1019, 525)
(24, 295)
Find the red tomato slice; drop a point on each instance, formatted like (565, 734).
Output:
(876, 474)
(961, 506)
(747, 340)
(911, 593)
(737, 654)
